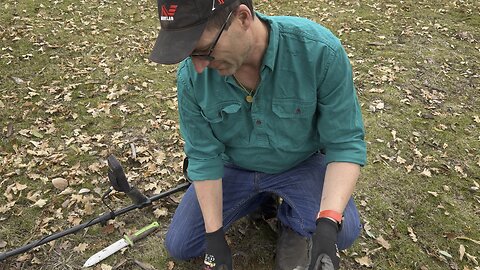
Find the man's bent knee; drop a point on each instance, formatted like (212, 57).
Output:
(173, 249)
(348, 238)
(178, 249)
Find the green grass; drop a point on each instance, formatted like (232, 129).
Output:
(88, 90)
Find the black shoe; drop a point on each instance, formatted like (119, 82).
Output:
(292, 252)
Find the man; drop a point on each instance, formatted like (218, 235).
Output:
(267, 106)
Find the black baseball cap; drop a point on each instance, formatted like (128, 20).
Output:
(182, 22)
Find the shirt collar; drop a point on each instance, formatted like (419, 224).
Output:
(269, 58)
(271, 52)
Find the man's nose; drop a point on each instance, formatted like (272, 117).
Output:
(200, 64)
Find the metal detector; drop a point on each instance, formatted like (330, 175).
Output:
(118, 182)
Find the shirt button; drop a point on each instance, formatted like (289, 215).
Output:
(258, 122)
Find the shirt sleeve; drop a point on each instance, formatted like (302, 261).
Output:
(340, 124)
(202, 148)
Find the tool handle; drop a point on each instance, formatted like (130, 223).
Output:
(142, 233)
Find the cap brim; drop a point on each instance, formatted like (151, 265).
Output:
(172, 46)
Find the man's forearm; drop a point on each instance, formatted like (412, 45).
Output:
(209, 194)
(340, 181)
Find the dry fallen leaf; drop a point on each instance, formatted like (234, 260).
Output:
(105, 267)
(476, 118)
(426, 173)
(376, 90)
(160, 212)
(461, 250)
(40, 203)
(409, 168)
(394, 134)
(401, 160)
(412, 234)
(24, 257)
(380, 106)
(150, 186)
(417, 153)
(384, 243)
(81, 248)
(5, 208)
(364, 261)
(460, 171)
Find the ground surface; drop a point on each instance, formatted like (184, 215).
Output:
(76, 86)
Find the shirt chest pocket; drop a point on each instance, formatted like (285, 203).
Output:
(294, 123)
(228, 122)
(293, 108)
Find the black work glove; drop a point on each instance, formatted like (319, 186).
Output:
(324, 254)
(218, 255)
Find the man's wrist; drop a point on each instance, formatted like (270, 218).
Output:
(331, 219)
(331, 215)
(216, 235)
(212, 227)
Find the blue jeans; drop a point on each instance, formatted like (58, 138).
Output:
(243, 191)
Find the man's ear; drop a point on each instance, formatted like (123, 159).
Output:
(245, 16)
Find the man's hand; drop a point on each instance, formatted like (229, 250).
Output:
(217, 255)
(324, 255)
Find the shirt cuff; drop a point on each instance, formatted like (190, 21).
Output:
(356, 155)
(209, 169)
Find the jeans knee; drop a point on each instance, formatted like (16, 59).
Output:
(348, 235)
(176, 249)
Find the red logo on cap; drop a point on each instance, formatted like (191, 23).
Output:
(221, 2)
(167, 14)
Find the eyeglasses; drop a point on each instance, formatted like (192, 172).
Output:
(208, 56)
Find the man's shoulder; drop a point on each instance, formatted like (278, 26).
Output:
(304, 29)
(185, 76)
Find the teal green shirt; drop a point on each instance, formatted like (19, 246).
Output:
(305, 102)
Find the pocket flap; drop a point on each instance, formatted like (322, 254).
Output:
(293, 108)
(216, 114)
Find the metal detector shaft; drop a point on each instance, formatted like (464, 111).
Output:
(103, 218)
